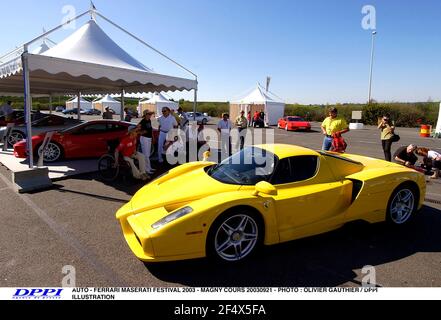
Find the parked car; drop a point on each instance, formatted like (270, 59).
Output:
(18, 116)
(91, 112)
(60, 108)
(47, 123)
(72, 111)
(228, 211)
(293, 123)
(201, 118)
(86, 140)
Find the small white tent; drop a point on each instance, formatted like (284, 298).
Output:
(156, 103)
(107, 101)
(73, 104)
(259, 100)
(438, 125)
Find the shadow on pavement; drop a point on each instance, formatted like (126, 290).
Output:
(324, 260)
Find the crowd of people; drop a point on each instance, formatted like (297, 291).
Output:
(333, 127)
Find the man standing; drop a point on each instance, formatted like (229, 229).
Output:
(108, 114)
(167, 122)
(224, 127)
(183, 119)
(333, 126)
(127, 147)
(146, 132)
(241, 124)
(7, 111)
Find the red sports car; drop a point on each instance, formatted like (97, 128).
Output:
(87, 140)
(293, 123)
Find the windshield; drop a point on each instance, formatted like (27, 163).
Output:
(247, 167)
(296, 119)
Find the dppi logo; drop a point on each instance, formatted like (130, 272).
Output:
(37, 294)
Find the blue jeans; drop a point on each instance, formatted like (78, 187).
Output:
(327, 143)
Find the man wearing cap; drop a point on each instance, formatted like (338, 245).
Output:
(127, 147)
(146, 132)
(332, 127)
(241, 124)
(108, 114)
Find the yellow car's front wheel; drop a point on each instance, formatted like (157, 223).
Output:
(235, 236)
(402, 204)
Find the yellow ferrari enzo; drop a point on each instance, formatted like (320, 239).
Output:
(263, 195)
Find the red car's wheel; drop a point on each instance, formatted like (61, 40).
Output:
(53, 152)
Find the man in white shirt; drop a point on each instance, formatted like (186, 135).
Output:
(224, 127)
(167, 122)
(7, 111)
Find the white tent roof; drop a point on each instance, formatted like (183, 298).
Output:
(157, 97)
(259, 96)
(87, 61)
(75, 100)
(90, 44)
(107, 99)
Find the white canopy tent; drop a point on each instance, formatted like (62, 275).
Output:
(73, 103)
(87, 62)
(156, 103)
(438, 125)
(107, 101)
(259, 100)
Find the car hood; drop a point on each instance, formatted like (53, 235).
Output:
(179, 187)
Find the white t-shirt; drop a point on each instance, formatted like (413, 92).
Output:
(167, 123)
(433, 155)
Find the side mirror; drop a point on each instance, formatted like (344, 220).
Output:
(265, 188)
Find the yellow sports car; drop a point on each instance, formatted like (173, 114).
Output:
(263, 195)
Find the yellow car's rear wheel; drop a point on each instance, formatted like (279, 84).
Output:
(235, 236)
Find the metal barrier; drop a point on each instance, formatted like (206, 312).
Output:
(43, 147)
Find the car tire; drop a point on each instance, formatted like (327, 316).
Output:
(235, 236)
(402, 205)
(204, 121)
(14, 137)
(54, 152)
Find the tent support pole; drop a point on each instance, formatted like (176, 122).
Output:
(28, 106)
(50, 104)
(122, 105)
(79, 106)
(195, 103)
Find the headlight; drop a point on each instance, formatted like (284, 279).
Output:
(172, 217)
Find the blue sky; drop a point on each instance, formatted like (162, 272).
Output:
(315, 51)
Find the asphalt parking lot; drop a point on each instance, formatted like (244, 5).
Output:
(74, 224)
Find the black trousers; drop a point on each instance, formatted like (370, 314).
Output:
(242, 137)
(386, 148)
